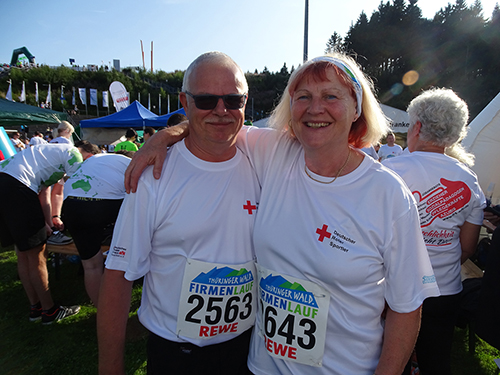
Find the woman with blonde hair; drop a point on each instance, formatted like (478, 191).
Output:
(63, 132)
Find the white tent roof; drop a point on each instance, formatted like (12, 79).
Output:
(483, 140)
(400, 120)
(262, 123)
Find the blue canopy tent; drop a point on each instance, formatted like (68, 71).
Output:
(161, 121)
(133, 116)
(109, 129)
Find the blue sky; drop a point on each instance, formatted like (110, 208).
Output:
(255, 33)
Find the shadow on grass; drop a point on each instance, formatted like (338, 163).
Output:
(479, 363)
(66, 347)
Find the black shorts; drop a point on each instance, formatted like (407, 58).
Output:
(21, 216)
(89, 221)
(226, 358)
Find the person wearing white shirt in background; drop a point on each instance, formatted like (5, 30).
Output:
(16, 142)
(24, 182)
(37, 139)
(92, 199)
(389, 150)
(450, 204)
(63, 133)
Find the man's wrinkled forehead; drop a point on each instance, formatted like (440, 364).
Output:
(215, 68)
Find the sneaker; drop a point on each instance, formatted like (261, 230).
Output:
(59, 313)
(57, 238)
(36, 312)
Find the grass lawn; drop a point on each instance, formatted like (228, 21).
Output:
(70, 347)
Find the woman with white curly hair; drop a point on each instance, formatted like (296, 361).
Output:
(450, 204)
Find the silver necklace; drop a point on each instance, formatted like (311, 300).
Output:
(338, 173)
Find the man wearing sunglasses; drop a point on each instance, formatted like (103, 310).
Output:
(190, 235)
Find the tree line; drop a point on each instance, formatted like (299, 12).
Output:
(405, 53)
(400, 50)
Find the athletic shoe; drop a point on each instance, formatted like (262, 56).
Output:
(36, 312)
(59, 239)
(59, 313)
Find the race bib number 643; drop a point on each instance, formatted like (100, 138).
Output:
(294, 317)
(216, 299)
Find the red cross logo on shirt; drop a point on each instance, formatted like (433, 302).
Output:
(323, 233)
(249, 206)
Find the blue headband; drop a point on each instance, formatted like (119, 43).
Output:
(357, 86)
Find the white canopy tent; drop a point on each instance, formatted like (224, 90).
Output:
(399, 119)
(483, 140)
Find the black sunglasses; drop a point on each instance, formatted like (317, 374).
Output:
(208, 102)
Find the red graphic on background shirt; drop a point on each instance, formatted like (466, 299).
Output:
(323, 233)
(443, 201)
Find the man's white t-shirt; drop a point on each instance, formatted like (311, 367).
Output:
(43, 164)
(197, 213)
(100, 176)
(61, 140)
(17, 144)
(447, 194)
(330, 244)
(37, 141)
(387, 152)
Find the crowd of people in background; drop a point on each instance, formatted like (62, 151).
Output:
(269, 210)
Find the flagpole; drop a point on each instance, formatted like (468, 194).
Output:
(306, 30)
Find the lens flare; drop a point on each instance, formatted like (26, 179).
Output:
(397, 89)
(410, 78)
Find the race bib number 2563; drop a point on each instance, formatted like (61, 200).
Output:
(216, 299)
(294, 317)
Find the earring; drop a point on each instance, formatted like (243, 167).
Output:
(290, 127)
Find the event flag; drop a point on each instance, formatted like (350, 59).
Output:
(36, 93)
(93, 96)
(9, 91)
(83, 95)
(73, 99)
(119, 95)
(48, 102)
(62, 94)
(149, 101)
(22, 98)
(105, 99)
(168, 103)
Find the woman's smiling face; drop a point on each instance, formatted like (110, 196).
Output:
(322, 112)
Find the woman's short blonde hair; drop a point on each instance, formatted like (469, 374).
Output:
(371, 125)
(64, 125)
